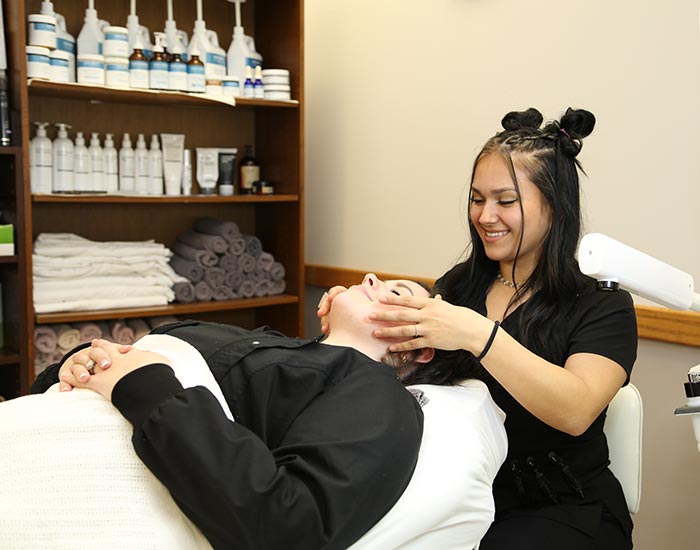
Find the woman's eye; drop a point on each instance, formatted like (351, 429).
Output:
(396, 292)
(474, 200)
(507, 202)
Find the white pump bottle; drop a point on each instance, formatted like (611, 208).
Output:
(155, 162)
(63, 161)
(111, 165)
(82, 164)
(96, 163)
(40, 161)
(91, 37)
(143, 176)
(126, 166)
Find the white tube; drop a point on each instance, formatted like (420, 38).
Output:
(238, 14)
(133, 7)
(199, 10)
(170, 10)
(91, 4)
(173, 146)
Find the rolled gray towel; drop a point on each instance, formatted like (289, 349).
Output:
(262, 288)
(265, 261)
(277, 271)
(161, 320)
(223, 293)
(237, 246)
(214, 276)
(234, 279)
(139, 326)
(184, 292)
(214, 243)
(277, 287)
(190, 270)
(212, 226)
(205, 258)
(258, 275)
(45, 340)
(253, 246)
(122, 333)
(246, 263)
(246, 290)
(203, 292)
(228, 262)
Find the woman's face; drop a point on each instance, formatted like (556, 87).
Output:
(496, 215)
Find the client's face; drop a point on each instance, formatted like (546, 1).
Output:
(352, 309)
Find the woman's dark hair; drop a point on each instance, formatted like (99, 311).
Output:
(547, 155)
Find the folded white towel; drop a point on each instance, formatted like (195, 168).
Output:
(106, 281)
(52, 296)
(98, 304)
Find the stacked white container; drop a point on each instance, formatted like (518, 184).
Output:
(116, 52)
(276, 84)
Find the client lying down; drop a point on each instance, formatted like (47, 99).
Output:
(321, 452)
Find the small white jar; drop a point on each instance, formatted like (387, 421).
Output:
(91, 69)
(116, 43)
(214, 87)
(116, 72)
(60, 67)
(279, 92)
(38, 62)
(231, 86)
(42, 31)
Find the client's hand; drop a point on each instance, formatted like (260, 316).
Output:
(78, 366)
(103, 380)
(324, 307)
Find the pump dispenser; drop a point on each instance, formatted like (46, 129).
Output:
(158, 66)
(96, 163)
(155, 163)
(64, 40)
(41, 161)
(143, 177)
(82, 164)
(126, 166)
(207, 42)
(63, 161)
(91, 36)
(111, 166)
(173, 35)
(135, 29)
(238, 54)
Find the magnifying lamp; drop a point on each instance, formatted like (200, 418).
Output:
(615, 265)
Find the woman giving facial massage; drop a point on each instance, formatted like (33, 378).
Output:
(321, 440)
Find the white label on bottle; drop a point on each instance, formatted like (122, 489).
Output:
(249, 174)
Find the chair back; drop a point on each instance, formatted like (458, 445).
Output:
(623, 430)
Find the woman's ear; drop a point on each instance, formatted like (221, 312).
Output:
(425, 356)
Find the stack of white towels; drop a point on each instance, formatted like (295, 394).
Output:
(72, 273)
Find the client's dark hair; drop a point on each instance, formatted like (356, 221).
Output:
(445, 369)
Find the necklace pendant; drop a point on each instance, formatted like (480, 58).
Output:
(505, 282)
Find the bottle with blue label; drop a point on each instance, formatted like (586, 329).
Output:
(138, 67)
(177, 68)
(213, 56)
(196, 79)
(258, 90)
(91, 37)
(158, 66)
(248, 85)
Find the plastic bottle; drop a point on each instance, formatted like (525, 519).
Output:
(187, 172)
(248, 86)
(177, 69)
(96, 163)
(158, 66)
(173, 35)
(249, 171)
(143, 177)
(196, 81)
(81, 164)
(126, 166)
(207, 42)
(111, 165)
(41, 161)
(91, 36)
(155, 167)
(237, 55)
(258, 89)
(137, 30)
(63, 161)
(138, 67)
(64, 40)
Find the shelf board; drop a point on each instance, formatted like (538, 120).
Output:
(171, 309)
(159, 199)
(8, 357)
(10, 150)
(70, 90)
(12, 259)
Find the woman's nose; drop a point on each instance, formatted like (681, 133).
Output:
(488, 213)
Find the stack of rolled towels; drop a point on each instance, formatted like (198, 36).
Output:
(71, 273)
(52, 342)
(221, 263)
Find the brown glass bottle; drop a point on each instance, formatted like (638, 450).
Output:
(249, 171)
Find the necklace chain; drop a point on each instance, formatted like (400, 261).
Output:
(505, 282)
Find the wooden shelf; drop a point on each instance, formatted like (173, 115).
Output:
(71, 198)
(8, 259)
(172, 309)
(8, 357)
(68, 90)
(10, 151)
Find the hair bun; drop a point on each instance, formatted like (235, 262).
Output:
(578, 123)
(515, 120)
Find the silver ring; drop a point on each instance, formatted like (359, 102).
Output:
(415, 326)
(90, 366)
(320, 302)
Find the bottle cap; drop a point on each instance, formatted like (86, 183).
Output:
(79, 139)
(155, 144)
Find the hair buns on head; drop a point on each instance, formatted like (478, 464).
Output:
(575, 125)
(515, 120)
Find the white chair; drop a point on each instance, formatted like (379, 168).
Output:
(623, 430)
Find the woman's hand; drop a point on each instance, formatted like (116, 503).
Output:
(78, 367)
(103, 380)
(324, 307)
(433, 323)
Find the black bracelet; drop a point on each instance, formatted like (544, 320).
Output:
(487, 347)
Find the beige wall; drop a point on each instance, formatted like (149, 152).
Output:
(402, 94)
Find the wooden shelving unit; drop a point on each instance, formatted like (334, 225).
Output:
(274, 128)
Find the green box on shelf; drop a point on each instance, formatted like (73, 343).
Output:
(7, 240)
